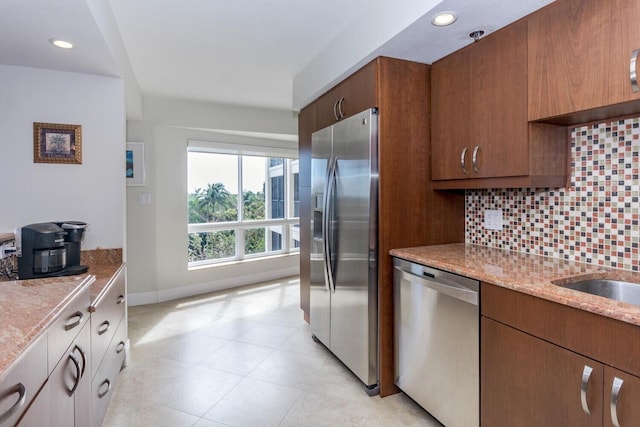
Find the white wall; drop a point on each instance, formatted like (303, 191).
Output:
(39, 192)
(157, 233)
(105, 20)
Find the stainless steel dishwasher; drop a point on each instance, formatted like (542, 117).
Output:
(437, 342)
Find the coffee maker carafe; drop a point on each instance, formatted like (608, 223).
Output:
(72, 239)
(49, 249)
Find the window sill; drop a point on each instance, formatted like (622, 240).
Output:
(214, 264)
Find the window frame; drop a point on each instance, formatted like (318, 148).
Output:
(289, 170)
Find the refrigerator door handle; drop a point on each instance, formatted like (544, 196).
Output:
(325, 214)
(328, 226)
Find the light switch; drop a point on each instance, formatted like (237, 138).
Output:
(493, 219)
(144, 198)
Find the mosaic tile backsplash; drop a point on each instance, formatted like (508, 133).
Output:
(594, 220)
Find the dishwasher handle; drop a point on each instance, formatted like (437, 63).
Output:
(446, 287)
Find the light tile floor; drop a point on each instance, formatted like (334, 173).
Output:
(243, 357)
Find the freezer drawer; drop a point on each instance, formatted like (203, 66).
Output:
(437, 342)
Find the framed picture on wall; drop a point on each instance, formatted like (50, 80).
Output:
(57, 143)
(135, 164)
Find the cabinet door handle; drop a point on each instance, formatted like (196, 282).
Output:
(102, 394)
(22, 397)
(104, 327)
(78, 318)
(78, 373)
(84, 358)
(120, 347)
(337, 109)
(474, 159)
(586, 375)
(120, 299)
(463, 161)
(615, 393)
(340, 112)
(633, 71)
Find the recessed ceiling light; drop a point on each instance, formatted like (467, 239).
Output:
(443, 19)
(61, 44)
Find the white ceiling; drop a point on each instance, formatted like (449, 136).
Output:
(265, 53)
(232, 51)
(27, 25)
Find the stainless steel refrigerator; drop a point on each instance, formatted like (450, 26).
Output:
(344, 279)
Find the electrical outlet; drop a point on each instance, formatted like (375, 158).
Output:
(493, 219)
(4, 246)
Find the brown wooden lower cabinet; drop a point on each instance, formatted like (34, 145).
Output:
(526, 381)
(627, 409)
(529, 380)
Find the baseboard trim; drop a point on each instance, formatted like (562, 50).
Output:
(142, 298)
(211, 286)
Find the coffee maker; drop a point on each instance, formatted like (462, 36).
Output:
(49, 249)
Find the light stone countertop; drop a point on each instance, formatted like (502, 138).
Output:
(28, 307)
(530, 274)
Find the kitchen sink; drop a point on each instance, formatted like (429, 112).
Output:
(612, 289)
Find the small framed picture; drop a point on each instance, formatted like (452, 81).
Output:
(135, 164)
(57, 143)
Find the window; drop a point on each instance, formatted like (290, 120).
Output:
(225, 224)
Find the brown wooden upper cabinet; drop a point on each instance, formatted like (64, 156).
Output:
(582, 59)
(480, 134)
(350, 97)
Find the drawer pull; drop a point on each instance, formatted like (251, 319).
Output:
(78, 315)
(22, 397)
(78, 373)
(104, 327)
(615, 393)
(586, 375)
(120, 347)
(102, 394)
(633, 73)
(120, 299)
